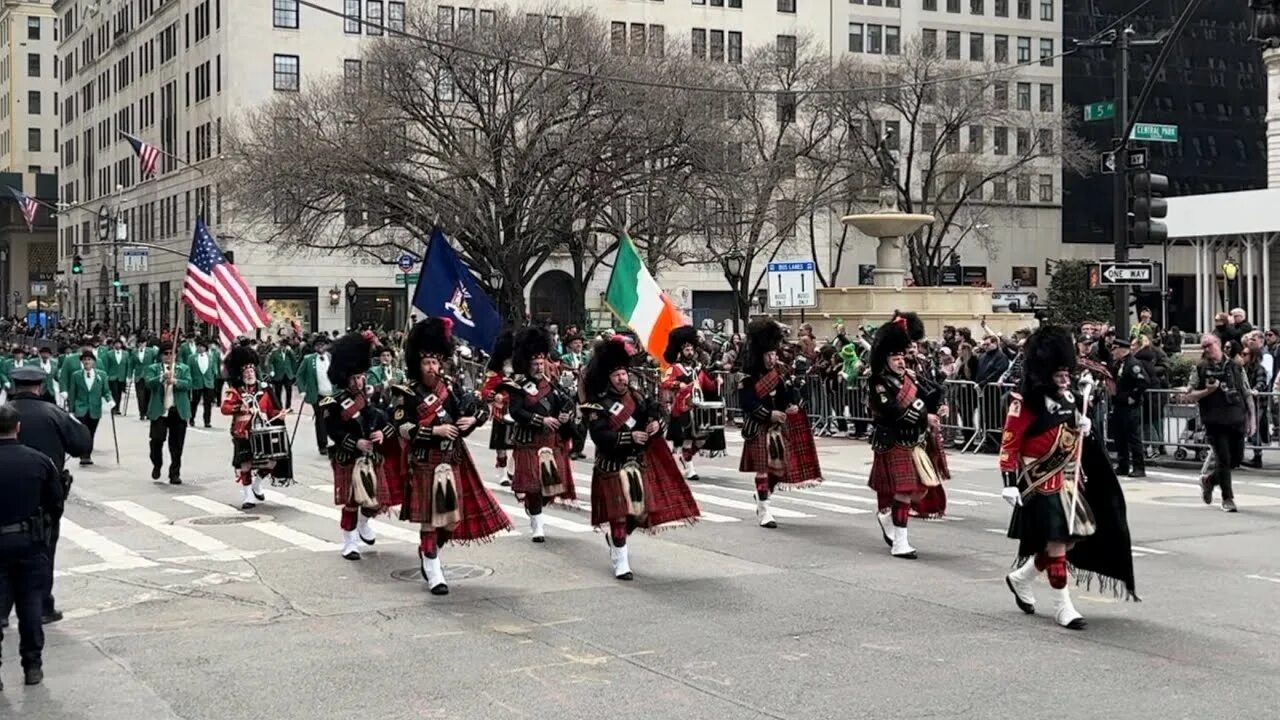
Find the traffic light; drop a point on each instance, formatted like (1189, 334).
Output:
(1147, 205)
(77, 267)
(116, 281)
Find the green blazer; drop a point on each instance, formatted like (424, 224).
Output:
(153, 377)
(51, 378)
(86, 401)
(208, 379)
(138, 365)
(185, 352)
(308, 383)
(117, 370)
(378, 375)
(68, 365)
(282, 364)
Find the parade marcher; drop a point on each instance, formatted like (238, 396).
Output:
(7, 366)
(542, 413)
(51, 430)
(1068, 506)
(87, 397)
(313, 382)
(49, 366)
(779, 448)
(284, 369)
(361, 435)
(205, 366)
(572, 363)
(251, 403)
(142, 356)
(434, 414)
(684, 378)
(1132, 382)
(168, 384)
(902, 472)
(114, 363)
(30, 492)
(636, 482)
(383, 376)
(501, 425)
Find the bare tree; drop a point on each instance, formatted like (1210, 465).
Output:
(968, 144)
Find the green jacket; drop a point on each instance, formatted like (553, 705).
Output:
(117, 370)
(206, 380)
(86, 401)
(68, 365)
(308, 383)
(153, 377)
(51, 379)
(185, 352)
(283, 364)
(378, 375)
(138, 366)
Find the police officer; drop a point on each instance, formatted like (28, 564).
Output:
(1132, 381)
(30, 490)
(51, 430)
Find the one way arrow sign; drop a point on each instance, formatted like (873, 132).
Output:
(1127, 273)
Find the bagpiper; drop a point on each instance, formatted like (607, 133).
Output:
(636, 482)
(542, 412)
(683, 376)
(361, 433)
(435, 415)
(1069, 512)
(492, 392)
(251, 403)
(779, 448)
(902, 472)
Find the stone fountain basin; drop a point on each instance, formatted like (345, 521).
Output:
(887, 224)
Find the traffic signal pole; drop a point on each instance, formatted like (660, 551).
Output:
(1120, 181)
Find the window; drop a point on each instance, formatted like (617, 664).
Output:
(33, 64)
(1001, 94)
(33, 28)
(855, 37)
(928, 137)
(286, 72)
(33, 102)
(1002, 48)
(931, 5)
(1024, 9)
(1046, 52)
(953, 6)
(786, 51)
(618, 38)
(1024, 96)
(1000, 139)
(375, 17)
(786, 107)
(1044, 141)
(351, 75)
(1024, 275)
(698, 47)
(284, 14)
(639, 39)
(351, 23)
(33, 139)
(657, 41)
(395, 16)
(1046, 9)
(1002, 8)
(929, 41)
(891, 131)
(892, 40)
(976, 7)
(973, 184)
(953, 45)
(1024, 142)
(875, 42)
(975, 138)
(1024, 188)
(1024, 50)
(735, 46)
(786, 6)
(999, 189)
(977, 51)
(715, 46)
(1046, 97)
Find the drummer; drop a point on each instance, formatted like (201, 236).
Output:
(255, 413)
(685, 375)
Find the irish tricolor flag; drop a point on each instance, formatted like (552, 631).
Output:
(636, 299)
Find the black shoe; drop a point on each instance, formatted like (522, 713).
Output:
(1229, 506)
(260, 497)
(1255, 463)
(207, 426)
(51, 617)
(175, 481)
(1139, 473)
(155, 472)
(33, 676)
(1121, 472)
(86, 462)
(1206, 489)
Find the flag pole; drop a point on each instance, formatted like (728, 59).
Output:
(163, 152)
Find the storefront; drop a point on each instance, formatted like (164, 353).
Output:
(290, 308)
(381, 308)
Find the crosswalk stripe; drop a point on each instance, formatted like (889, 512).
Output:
(273, 529)
(187, 536)
(113, 555)
(583, 485)
(1149, 551)
(790, 497)
(333, 513)
(555, 522)
(326, 488)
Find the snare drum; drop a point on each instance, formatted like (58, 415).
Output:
(708, 416)
(269, 442)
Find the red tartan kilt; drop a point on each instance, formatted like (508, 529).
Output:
(526, 479)
(935, 449)
(482, 516)
(396, 468)
(342, 484)
(894, 473)
(800, 460)
(668, 499)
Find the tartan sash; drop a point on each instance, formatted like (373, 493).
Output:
(621, 412)
(767, 383)
(352, 405)
(429, 411)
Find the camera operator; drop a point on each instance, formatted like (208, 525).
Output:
(1226, 409)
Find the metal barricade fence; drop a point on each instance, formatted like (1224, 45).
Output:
(1169, 421)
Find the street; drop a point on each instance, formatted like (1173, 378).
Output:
(180, 605)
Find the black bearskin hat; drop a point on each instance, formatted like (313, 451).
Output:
(433, 336)
(677, 339)
(1049, 349)
(528, 344)
(348, 356)
(237, 359)
(891, 338)
(607, 356)
(763, 335)
(501, 351)
(915, 326)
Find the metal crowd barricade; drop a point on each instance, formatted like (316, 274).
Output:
(1169, 420)
(963, 424)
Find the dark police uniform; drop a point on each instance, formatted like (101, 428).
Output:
(1132, 381)
(30, 489)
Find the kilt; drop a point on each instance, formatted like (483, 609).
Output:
(934, 446)
(667, 497)
(800, 461)
(893, 472)
(527, 479)
(499, 435)
(241, 453)
(342, 484)
(482, 517)
(395, 465)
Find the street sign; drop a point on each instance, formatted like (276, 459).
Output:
(1125, 273)
(1104, 110)
(135, 259)
(39, 289)
(1107, 163)
(1154, 132)
(406, 278)
(406, 262)
(104, 223)
(1137, 159)
(791, 285)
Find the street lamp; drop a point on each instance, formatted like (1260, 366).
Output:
(733, 264)
(1230, 270)
(335, 296)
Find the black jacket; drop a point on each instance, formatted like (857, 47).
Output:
(29, 486)
(50, 429)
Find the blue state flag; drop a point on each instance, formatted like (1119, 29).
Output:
(447, 289)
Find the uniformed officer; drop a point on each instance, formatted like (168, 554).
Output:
(1132, 381)
(30, 491)
(51, 430)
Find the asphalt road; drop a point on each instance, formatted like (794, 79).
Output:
(180, 605)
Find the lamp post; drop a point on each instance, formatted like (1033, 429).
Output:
(1229, 271)
(352, 290)
(733, 264)
(495, 283)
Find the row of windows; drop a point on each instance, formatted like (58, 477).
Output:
(975, 134)
(372, 13)
(978, 47)
(1001, 7)
(948, 186)
(644, 40)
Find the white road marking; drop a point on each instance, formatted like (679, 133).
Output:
(1264, 578)
(1149, 551)
(790, 496)
(273, 529)
(190, 537)
(552, 520)
(583, 486)
(114, 556)
(332, 513)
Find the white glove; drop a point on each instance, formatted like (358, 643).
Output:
(1011, 496)
(1085, 425)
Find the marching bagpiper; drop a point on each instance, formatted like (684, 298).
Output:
(1068, 508)
(684, 371)
(445, 495)
(779, 446)
(636, 482)
(542, 412)
(251, 403)
(499, 400)
(361, 433)
(902, 472)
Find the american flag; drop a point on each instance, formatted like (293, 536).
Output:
(148, 154)
(217, 293)
(28, 205)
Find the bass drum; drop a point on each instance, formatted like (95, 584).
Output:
(708, 420)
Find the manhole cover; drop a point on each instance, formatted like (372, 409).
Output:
(452, 573)
(238, 519)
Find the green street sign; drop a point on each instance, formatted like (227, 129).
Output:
(406, 278)
(1104, 110)
(1154, 132)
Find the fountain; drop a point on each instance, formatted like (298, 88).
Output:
(890, 225)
